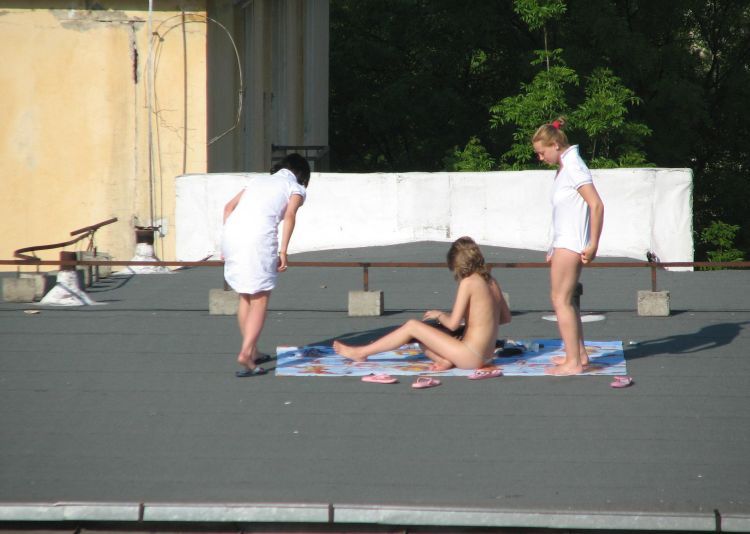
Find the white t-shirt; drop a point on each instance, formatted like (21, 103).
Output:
(570, 212)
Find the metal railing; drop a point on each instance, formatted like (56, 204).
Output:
(87, 232)
(367, 265)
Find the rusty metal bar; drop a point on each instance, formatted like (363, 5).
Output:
(28, 260)
(87, 231)
(502, 265)
(94, 227)
(24, 258)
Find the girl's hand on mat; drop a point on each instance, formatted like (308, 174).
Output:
(432, 314)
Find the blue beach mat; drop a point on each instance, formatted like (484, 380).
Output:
(606, 358)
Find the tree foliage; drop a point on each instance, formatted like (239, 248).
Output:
(612, 140)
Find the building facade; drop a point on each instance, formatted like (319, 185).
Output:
(105, 105)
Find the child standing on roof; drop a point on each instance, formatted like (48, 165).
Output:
(479, 302)
(251, 251)
(577, 220)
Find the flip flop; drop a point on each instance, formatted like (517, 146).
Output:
(424, 382)
(621, 382)
(262, 358)
(250, 372)
(379, 379)
(480, 374)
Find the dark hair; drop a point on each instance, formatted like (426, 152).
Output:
(297, 164)
(465, 258)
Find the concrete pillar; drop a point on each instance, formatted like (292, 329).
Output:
(577, 296)
(365, 303)
(653, 303)
(223, 302)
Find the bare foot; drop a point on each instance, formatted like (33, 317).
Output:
(349, 351)
(441, 366)
(244, 359)
(564, 370)
(560, 360)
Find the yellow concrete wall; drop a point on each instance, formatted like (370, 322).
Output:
(75, 147)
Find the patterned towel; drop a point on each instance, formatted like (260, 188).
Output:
(606, 358)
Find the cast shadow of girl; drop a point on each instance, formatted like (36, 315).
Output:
(707, 338)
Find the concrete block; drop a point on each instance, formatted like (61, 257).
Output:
(42, 283)
(18, 289)
(222, 302)
(653, 303)
(104, 270)
(93, 273)
(365, 303)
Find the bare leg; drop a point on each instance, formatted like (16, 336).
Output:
(564, 273)
(251, 316)
(439, 343)
(559, 360)
(438, 362)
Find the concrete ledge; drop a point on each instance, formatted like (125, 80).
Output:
(235, 513)
(222, 302)
(19, 289)
(365, 303)
(70, 512)
(735, 523)
(523, 519)
(93, 273)
(371, 514)
(653, 303)
(42, 281)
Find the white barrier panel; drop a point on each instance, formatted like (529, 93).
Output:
(645, 209)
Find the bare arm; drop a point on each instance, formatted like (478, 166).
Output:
(231, 205)
(505, 316)
(290, 219)
(453, 320)
(596, 206)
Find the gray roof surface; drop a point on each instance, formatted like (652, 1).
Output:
(135, 401)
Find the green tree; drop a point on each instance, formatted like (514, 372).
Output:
(721, 235)
(611, 140)
(473, 157)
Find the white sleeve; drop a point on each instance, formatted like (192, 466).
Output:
(297, 189)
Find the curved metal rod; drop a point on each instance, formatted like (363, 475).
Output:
(88, 231)
(94, 227)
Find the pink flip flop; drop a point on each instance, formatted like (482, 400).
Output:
(481, 374)
(621, 382)
(379, 379)
(424, 382)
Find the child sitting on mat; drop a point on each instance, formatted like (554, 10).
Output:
(479, 302)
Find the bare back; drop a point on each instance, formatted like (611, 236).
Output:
(486, 309)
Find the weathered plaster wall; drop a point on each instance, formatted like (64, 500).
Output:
(75, 144)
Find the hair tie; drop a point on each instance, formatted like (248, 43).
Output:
(556, 124)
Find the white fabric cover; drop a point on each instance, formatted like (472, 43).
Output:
(645, 209)
(250, 236)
